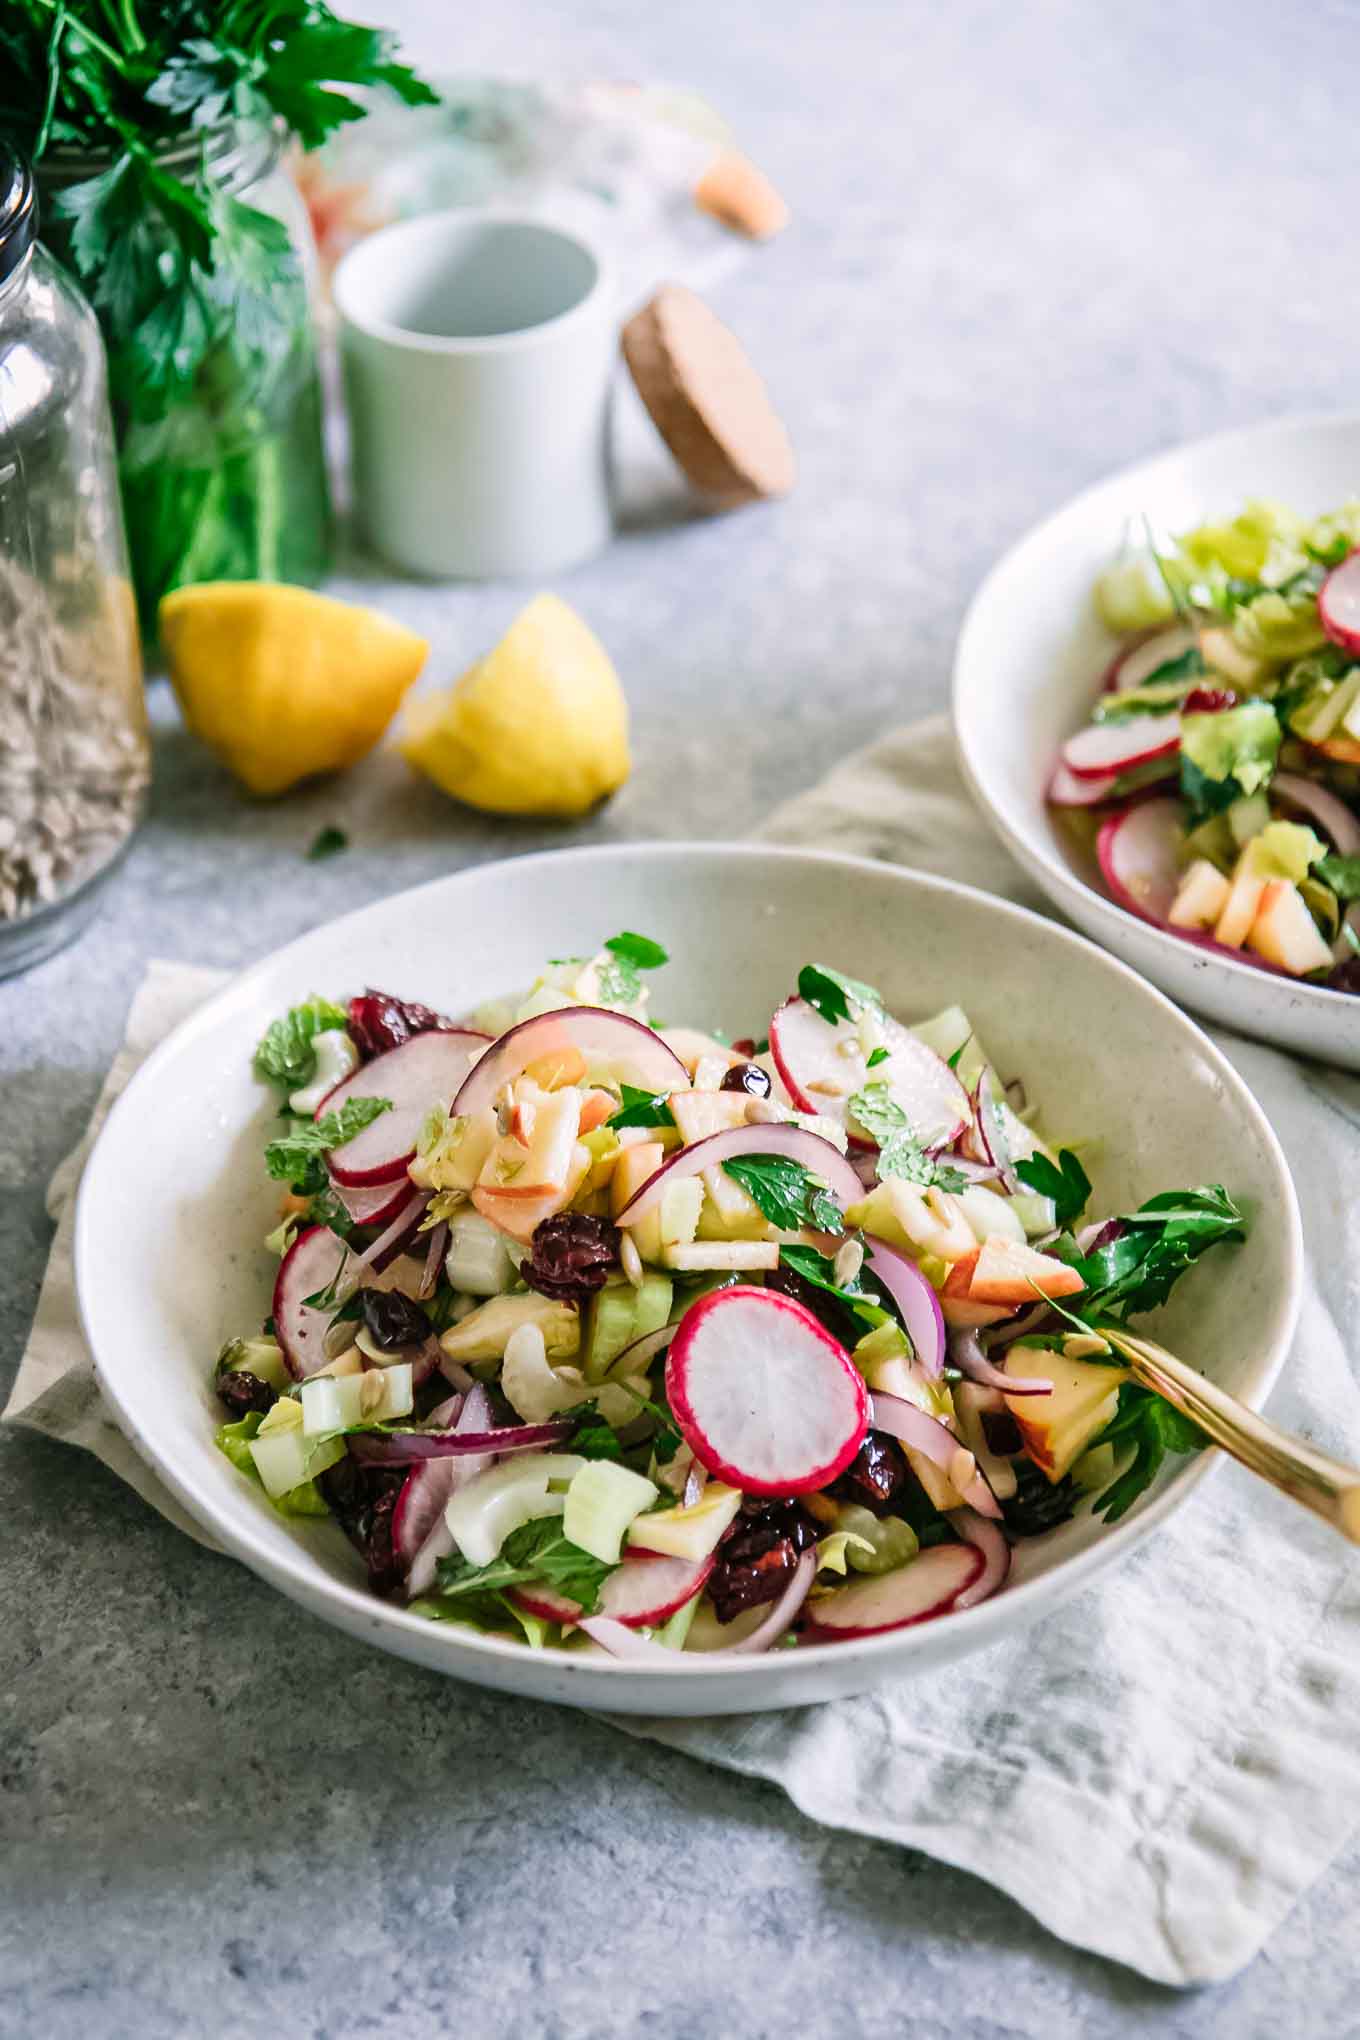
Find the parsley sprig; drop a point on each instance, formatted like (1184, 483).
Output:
(1067, 1184)
(787, 1193)
(900, 1153)
(1154, 1428)
(620, 972)
(285, 1055)
(290, 1158)
(835, 996)
(536, 1551)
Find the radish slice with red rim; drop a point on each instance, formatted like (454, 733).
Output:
(374, 1203)
(620, 1641)
(931, 1584)
(427, 1070)
(762, 1393)
(903, 1421)
(914, 1297)
(1103, 748)
(605, 1039)
(1146, 654)
(316, 1264)
(647, 1589)
(990, 1540)
(1139, 852)
(1339, 604)
(420, 1535)
(794, 1142)
(1066, 790)
(823, 1065)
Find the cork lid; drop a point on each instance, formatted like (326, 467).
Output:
(706, 400)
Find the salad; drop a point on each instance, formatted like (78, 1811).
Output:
(1218, 778)
(616, 1336)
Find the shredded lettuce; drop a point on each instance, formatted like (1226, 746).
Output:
(1227, 753)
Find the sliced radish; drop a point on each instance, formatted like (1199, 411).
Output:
(1065, 789)
(930, 1585)
(1103, 748)
(1339, 604)
(311, 1265)
(822, 1065)
(914, 1297)
(375, 1203)
(763, 1394)
(1143, 656)
(645, 1590)
(420, 1534)
(425, 1071)
(611, 1040)
(1321, 806)
(795, 1142)
(1139, 851)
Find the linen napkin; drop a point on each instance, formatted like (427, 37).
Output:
(1160, 1768)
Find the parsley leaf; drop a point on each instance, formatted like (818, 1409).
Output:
(288, 1157)
(1154, 1428)
(957, 1057)
(788, 1194)
(1342, 874)
(819, 1269)
(639, 950)
(1138, 1267)
(879, 1055)
(327, 842)
(835, 997)
(285, 1056)
(536, 1551)
(642, 1108)
(900, 1154)
(1068, 1184)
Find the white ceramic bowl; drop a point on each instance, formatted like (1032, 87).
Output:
(174, 1202)
(1028, 665)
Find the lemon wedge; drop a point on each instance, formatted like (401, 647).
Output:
(537, 727)
(282, 683)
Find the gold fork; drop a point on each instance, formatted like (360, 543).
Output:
(1327, 1486)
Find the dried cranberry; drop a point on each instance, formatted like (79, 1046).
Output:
(363, 1499)
(758, 1554)
(1208, 700)
(748, 1077)
(1345, 977)
(393, 1320)
(570, 1256)
(828, 1310)
(874, 1476)
(243, 1392)
(378, 1022)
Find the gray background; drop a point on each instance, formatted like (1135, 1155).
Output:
(1029, 244)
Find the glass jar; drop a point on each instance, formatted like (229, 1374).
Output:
(74, 746)
(223, 476)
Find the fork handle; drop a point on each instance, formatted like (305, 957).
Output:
(1327, 1486)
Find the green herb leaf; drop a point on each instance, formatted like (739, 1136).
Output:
(1153, 1428)
(1342, 874)
(536, 1551)
(879, 1055)
(836, 997)
(639, 950)
(900, 1154)
(820, 1270)
(642, 1108)
(1068, 1184)
(787, 1193)
(327, 842)
(957, 1057)
(286, 1056)
(288, 1157)
(1137, 1270)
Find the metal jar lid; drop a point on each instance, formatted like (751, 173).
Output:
(18, 209)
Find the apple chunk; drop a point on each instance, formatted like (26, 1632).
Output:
(1006, 1271)
(1285, 933)
(1202, 896)
(1058, 1427)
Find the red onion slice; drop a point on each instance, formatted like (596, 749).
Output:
(433, 1484)
(439, 1239)
(795, 1142)
(1325, 808)
(1006, 1333)
(967, 1355)
(914, 1297)
(996, 1554)
(902, 1420)
(409, 1448)
(601, 1036)
(386, 1244)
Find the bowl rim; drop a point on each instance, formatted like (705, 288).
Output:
(1040, 856)
(297, 1575)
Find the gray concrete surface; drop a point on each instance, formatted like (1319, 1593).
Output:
(1029, 244)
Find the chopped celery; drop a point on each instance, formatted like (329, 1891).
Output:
(879, 1543)
(1038, 1215)
(285, 1458)
(331, 1403)
(516, 1491)
(608, 1327)
(601, 1503)
(477, 1261)
(261, 1357)
(674, 1631)
(1248, 816)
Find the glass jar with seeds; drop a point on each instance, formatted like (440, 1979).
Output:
(74, 747)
